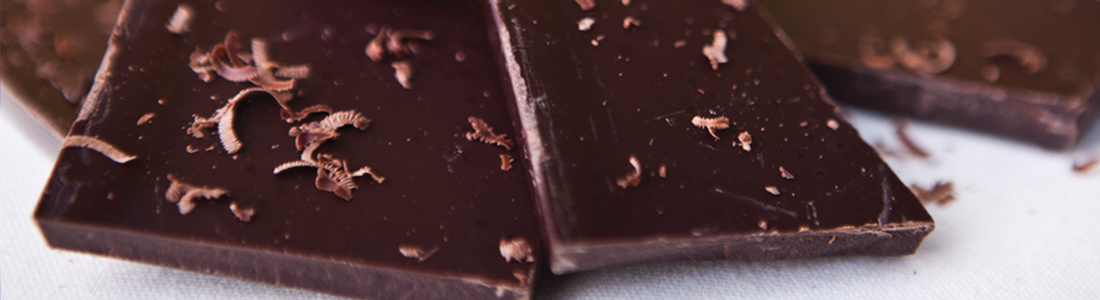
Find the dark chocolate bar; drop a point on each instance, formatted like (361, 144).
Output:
(687, 130)
(51, 49)
(1025, 69)
(234, 138)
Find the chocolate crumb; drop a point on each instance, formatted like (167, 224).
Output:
(243, 214)
(626, 2)
(786, 175)
(746, 140)
(1081, 167)
(680, 43)
(460, 56)
(832, 124)
(716, 50)
(763, 224)
(941, 193)
(484, 133)
(98, 145)
(903, 134)
(631, 21)
(661, 171)
(991, 73)
(145, 118)
(634, 177)
(586, 4)
(711, 124)
(772, 190)
(403, 71)
(506, 162)
(739, 5)
(586, 24)
(416, 252)
(516, 249)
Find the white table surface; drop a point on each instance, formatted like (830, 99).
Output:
(1024, 226)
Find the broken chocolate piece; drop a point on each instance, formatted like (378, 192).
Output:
(280, 228)
(1033, 77)
(583, 117)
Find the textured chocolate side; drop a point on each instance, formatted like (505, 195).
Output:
(666, 131)
(150, 172)
(1024, 69)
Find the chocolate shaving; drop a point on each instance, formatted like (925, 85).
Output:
(662, 171)
(586, 4)
(739, 5)
(586, 24)
(319, 132)
(396, 41)
(291, 116)
(832, 124)
(367, 170)
(630, 21)
(484, 133)
(1029, 57)
(929, 57)
(416, 252)
(184, 194)
(772, 190)
(180, 23)
(376, 48)
(225, 122)
(403, 71)
(711, 124)
(1084, 166)
(634, 177)
(746, 140)
(243, 214)
(716, 50)
(903, 134)
(505, 162)
(293, 72)
(264, 76)
(516, 249)
(332, 174)
(941, 193)
(145, 118)
(98, 145)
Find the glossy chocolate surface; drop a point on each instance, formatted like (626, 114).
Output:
(1051, 102)
(587, 101)
(441, 191)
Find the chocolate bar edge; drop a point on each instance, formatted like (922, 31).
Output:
(281, 269)
(938, 100)
(872, 239)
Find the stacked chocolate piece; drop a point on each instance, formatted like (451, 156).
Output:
(448, 149)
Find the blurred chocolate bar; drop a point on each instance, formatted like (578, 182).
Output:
(1024, 69)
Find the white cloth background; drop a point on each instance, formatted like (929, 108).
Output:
(1024, 227)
